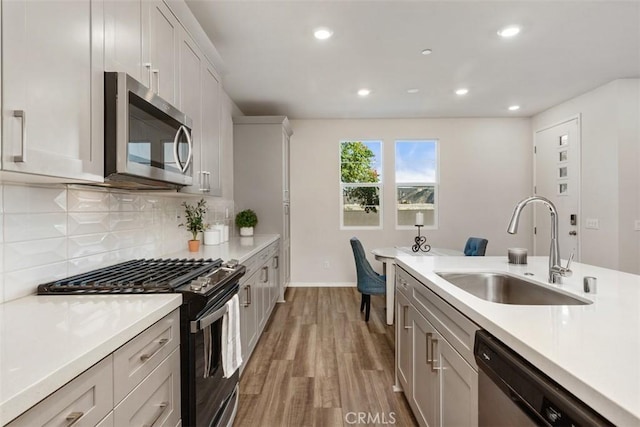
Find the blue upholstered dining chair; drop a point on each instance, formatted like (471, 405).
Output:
(369, 282)
(475, 246)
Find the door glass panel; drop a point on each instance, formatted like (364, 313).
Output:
(564, 139)
(563, 156)
(562, 172)
(562, 188)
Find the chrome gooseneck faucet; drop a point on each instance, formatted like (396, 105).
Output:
(556, 270)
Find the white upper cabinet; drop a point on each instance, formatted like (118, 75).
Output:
(52, 81)
(160, 49)
(191, 98)
(123, 37)
(210, 160)
(142, 38)
(200, 100)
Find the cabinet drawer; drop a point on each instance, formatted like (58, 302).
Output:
(156, 401)
(453, 325)
(86, 399)
(137, 358)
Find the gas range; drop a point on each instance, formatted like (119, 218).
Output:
(207, 287)
(194, 276)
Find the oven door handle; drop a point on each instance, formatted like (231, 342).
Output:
(197, 325)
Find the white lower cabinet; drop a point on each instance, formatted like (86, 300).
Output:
(258, 293)
(84, 401)
(143, 375)
(156, 400)
(434, 362)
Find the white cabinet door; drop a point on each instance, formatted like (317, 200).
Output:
(248, 313)
(426, 388)
(211, 131)
(191, 96)
(458, 386)
(52, 82)
(123, 37)
(160, 49)
(404, 345)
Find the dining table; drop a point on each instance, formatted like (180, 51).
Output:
(388, 256)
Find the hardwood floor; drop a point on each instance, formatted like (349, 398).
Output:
(318, 363)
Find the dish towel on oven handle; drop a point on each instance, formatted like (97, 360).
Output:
(231, 348)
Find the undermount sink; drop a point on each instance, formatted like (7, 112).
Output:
(506, 289)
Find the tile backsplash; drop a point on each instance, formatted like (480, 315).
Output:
(50, 232)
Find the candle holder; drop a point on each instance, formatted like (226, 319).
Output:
(420, 242)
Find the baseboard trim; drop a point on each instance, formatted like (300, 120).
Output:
(322, 285)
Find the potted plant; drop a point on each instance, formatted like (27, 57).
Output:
(194, 222)
(246, 220)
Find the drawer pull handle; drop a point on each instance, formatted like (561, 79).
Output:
(162, 407)
(247, 302)
(434, 346)
(429, 346)
(146, 357)
(22, 158)
(73, 418)
(405, 309)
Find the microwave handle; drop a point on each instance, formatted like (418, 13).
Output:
(183, 168)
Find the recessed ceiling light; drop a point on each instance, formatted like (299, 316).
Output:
(509, 31)
(514, 108)
(462, 91)
(413, 90)
(364, 92)
(322, 33)
(426, 52)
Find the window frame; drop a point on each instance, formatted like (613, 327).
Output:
(343, 185)
(435, 184)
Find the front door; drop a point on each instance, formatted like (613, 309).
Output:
(557, 177)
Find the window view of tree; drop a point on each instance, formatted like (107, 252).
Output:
(360, 174)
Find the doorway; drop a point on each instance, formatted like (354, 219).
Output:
(557, 177)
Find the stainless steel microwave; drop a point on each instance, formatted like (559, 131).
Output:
(147, 141)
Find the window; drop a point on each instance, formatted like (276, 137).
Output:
(416, 182)
(361, 184)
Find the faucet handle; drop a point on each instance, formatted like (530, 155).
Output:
(566, 271)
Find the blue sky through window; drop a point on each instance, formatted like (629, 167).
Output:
(415, 161)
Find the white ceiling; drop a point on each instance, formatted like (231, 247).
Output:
(274, 65)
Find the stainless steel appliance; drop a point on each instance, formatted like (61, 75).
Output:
(208, 399)
(512, 392)
(147, 141)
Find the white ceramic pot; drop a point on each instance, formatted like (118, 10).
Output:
(246, 231)
(212, 237)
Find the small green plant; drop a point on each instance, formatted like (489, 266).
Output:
(246, 218)
(194, 217)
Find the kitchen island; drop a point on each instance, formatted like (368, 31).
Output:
(592, 350)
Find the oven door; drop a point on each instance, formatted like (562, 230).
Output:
(213, 397)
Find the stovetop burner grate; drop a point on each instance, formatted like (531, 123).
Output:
(136, 276)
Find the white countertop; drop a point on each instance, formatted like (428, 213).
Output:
(592, 350)
(240, 248)
(46, 341)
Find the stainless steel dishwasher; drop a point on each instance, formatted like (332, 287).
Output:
(512, 392)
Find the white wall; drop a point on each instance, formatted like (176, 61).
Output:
(485, 169)
(610, 164)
